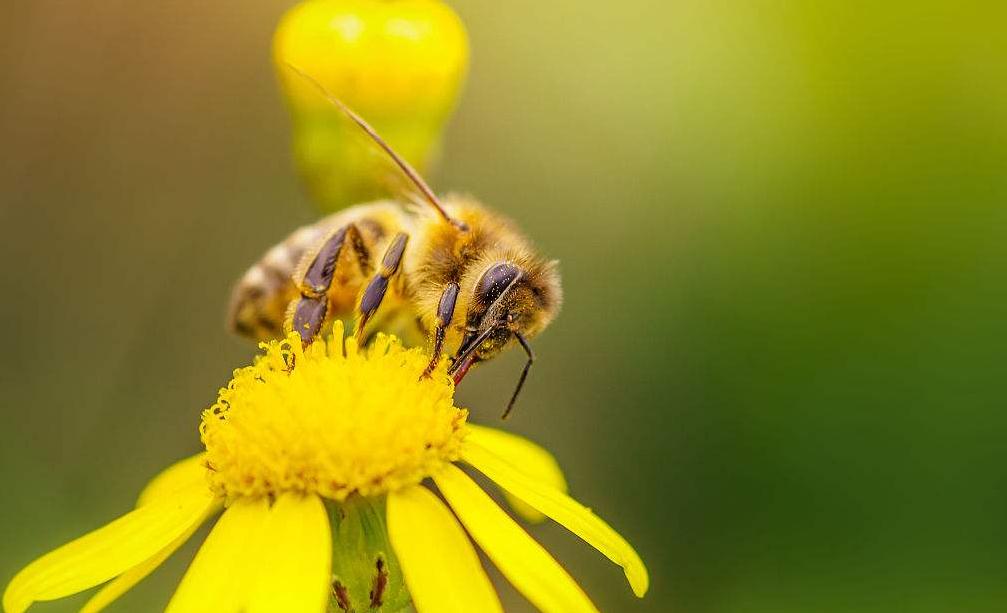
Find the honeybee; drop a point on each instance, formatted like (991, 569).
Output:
(451, 270)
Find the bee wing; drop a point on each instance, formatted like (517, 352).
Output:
(394, 173)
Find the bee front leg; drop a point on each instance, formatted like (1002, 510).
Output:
(445, 311)
(371, 299)
(309, 311)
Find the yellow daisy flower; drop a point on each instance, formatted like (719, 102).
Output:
(332, 444)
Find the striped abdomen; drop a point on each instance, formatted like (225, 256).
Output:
(262, 297)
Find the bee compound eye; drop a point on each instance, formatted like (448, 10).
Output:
(494, 281)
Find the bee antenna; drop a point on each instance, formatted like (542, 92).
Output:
(403, 165)
(524, 374)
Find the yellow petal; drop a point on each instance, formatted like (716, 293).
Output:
(124, 582)
(225, 564)
(108, 551)
(294, 558)
(525, 455)
(178, 476)
(522, 560)
(188, 472)
(440, 566)
(564, 510)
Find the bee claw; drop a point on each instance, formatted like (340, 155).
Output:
(429, 370)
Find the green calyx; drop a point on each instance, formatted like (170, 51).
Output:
(366, 576)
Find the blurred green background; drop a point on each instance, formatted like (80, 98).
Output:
(780, 371)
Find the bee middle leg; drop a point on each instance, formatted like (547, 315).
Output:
(371, 299)
(309, 312)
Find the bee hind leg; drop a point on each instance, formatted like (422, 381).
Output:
(309, 311)
(371, 299)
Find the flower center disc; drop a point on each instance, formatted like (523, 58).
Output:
(319, 421)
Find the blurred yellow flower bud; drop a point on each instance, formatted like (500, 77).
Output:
(399, 63)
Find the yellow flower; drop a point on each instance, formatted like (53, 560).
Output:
(297, 446)
(399, 64)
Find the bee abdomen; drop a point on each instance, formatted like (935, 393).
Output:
(261, 297)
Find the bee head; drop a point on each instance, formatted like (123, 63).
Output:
(509, 299)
